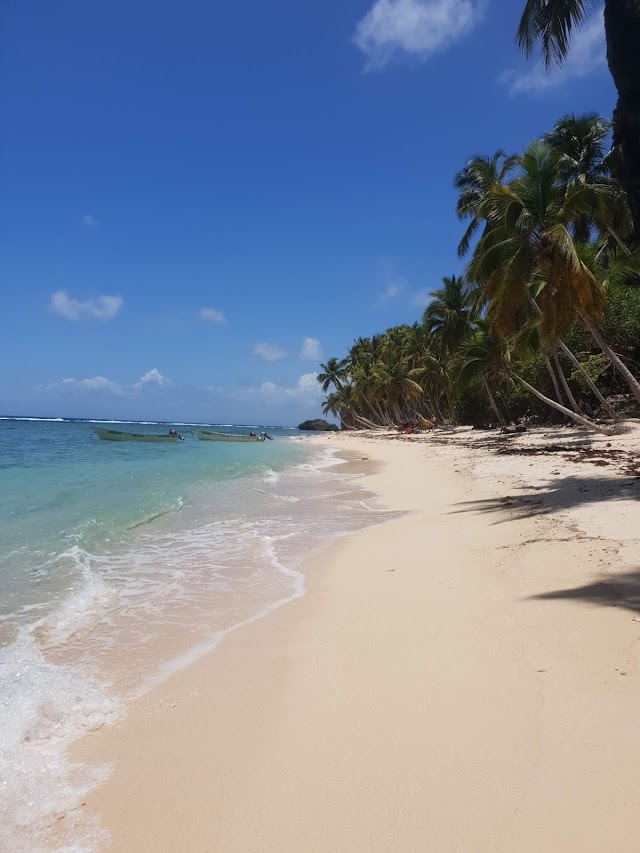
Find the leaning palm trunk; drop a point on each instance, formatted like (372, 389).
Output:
(493, 403)
(565, 349)
(592, 385)
(554, 379)
(615, 360)
(565, 384)
(579, 419)
(365, 422)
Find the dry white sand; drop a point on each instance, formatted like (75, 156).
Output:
(462, 678)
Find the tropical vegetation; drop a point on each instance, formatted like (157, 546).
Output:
(549, 24)
(545, 319)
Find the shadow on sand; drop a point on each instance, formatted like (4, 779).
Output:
(621, 590)
(561, 493)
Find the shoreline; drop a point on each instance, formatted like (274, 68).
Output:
(424, 694)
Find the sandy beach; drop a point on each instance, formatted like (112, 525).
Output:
(462, 678)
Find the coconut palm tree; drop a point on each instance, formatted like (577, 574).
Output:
(334, 372)
(449, 317)
(581, 143)
(550, 23)
(530, 238)
(473, 183)
(482, 362)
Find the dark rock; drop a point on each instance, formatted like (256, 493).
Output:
(318, 425)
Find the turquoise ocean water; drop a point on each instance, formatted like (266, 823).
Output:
(121, 562)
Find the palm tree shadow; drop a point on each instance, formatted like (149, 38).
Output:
(621, 590)
(556, 495)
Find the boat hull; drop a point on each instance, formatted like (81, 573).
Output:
(117, 435)
(205, 435)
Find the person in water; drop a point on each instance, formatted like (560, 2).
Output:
(173, 432)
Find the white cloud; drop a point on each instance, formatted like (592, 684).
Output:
(311, 349)
(419, 28)
(214, 316)
(396, 286)
(268, 352)
(101, 383)
(306, 389)
(100, 308)
(421, 298)
(98, 383)
(89, 220)
(152, 377)
(587, 54)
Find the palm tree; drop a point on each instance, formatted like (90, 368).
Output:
(580, 142)
(530, 238)
(449, 316)
(473, 183)
(334, 372)
(482, 362)
(549, 23)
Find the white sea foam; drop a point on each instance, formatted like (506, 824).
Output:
(175, 586)
(43, 707)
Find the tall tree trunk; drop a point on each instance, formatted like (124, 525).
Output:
(579, 419)
(565, 349)
(565, 384)
(615, 360)
(622, 27)
(554, 379)
(493, 403)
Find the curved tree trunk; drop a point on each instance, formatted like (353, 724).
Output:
(574, 361)
(579, 419)
(622, 27)
(554, 379)
(565, 349)
(493, 403)
(565, 384)
(615, 360)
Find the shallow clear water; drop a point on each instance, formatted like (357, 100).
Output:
(119, 563)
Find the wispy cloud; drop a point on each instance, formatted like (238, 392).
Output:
(97, 383)
(587, 55)
(268, 352)
(421, 298)
(311, 349)
(306, 388)
(393, 288)
(101, 384)
(100, 308)
(214, 316)
(418, 28)
(89, 220)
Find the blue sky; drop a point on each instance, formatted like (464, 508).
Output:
(200, 200)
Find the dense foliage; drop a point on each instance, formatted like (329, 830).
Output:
(544, 321)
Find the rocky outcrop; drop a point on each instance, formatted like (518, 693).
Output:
(318, 425)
